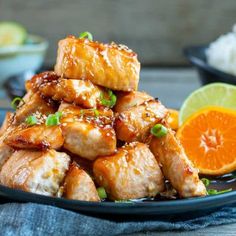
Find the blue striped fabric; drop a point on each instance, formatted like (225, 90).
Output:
(35, 219)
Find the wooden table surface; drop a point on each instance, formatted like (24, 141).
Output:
(171, 86)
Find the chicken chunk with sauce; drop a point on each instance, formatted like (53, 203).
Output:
(176, 166)
(39, 172)
(35, 137)
(132, 172)
(135, 123)
(88, 133)
(78, 185)
(110, 65)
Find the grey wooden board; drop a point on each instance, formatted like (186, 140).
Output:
(171, 86)
(156, 29)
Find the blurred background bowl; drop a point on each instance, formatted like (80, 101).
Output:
(17, 59)
(208, 74)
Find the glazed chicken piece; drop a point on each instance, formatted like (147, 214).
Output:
(79, 92)
(132, 172)
(135, 123)
(78, 185)
(127, 100)
(7, 122)
(33, 103)
(5, 150)
(35, 137)
(109, 65)
(176, 166)
(39, 79)
(88, 133)
(39, 172)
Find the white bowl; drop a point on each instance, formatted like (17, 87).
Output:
(17, 59)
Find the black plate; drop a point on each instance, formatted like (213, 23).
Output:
(208, 74)
(197, 205)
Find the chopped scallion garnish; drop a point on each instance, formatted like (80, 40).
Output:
(159, 130)
(31, 120)
(108, 102)
(206, 181)
(214, 191)
(15, 102)
(87, 35)
(102, 193)
(53, 119)
(96, 112)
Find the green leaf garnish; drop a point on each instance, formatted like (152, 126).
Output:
(87, 35)
(159, 130)
(31, 120)
(53, 119)
(15, 102)
(96, 112)
(108, 102)
(102, 193)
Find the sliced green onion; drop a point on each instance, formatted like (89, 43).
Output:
(96, 112)
(112, 99)
(215, 192)
(159, 130)
(15, 102)
(86, 34)
(31, 120)
(59, 114)
(53, 119)
(206, 181)
(102, 192)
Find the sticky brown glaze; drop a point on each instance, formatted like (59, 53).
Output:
(39, 172)
(135, 123)
(78, 92)
(86, 134)
(131, 173)
(7, 122)
(33, 103)
(5, 150)
(176, 166)
(78, 185)
(126, 100)
(39, 79)
(35, 137)
(110, 65)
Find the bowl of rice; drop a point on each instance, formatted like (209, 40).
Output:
(215, 62)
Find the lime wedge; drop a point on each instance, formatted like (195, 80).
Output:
(11, 33)
(215, 94)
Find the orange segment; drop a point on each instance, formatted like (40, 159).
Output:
(173, 119)
(209, 140)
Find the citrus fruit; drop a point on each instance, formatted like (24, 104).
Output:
(215, 94)
(173, 119)
(11, 33)
(209, 140)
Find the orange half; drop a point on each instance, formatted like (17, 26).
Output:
(209, 140)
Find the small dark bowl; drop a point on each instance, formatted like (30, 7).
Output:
(15, 85)
(208, 74)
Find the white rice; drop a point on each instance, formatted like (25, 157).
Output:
(221, 54)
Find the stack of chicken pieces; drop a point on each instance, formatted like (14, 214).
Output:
(103, 136)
